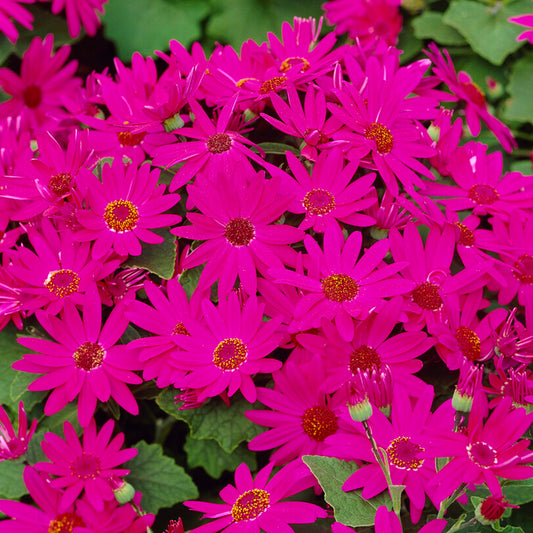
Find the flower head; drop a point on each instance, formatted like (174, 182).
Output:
(13, 445)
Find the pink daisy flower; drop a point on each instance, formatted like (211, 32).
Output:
(463, 88)
(301, 415)
(87, 466)
(49, 515)
(524, 20)
(123, 207)
(255, 505)
(228, 349)
(485, 451)
(14, 444)
(10, 9)
(326, 195)
(80, 13)
(83, 360)
(44, 80)
(239, 230)
(339, 285)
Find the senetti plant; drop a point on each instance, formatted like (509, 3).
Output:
(279, 287)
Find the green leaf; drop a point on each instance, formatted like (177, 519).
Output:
(147, 25)
(486, 28)
(520, 105)
(10, 351)
(278, 148)
(162, 482)
(519, 492)
(429, 25)
(350, 507)
(235, 21)
(409, 45)
(157, 258)
(11, 482)
(18, 391)
(213, 459)
(214, 419)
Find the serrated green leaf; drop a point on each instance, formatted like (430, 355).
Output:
(157, 258)
(10, 351)
(206, 453)
(162, 482)
(486, 28)
(11, 482)
(235, 21)
(429, 25)
(350, 507)
(126, 23)
(520, 105)
(214, 419)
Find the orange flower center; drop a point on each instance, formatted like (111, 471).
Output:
(294, 61)
(126, 138)
(466, 235)
(319, 422)
(239, 231)
(272, 84)
(427, 296)
(219, 143)
(250, 504)
(65, 523)
(403, 453)
(469, 343)
(180, 329)
(364, 358)
(62, 282)
(89, 356)
(319, 202)
(340, 288)
(230, 354)
(382, 136)
(121, 216)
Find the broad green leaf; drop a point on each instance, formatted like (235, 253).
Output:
(409, 45)
(429, 25)
(10, 351)
(162, 482)
(519, 492)
(157, 258)
(18, 391)
(214, 419)
(486, 28)
(147, 25)
(520, 105)
(350, 507)
(11, 482)
(235, 21)
(277, 148)
(207, 454)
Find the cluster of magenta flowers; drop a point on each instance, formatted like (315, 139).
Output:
(338, 267)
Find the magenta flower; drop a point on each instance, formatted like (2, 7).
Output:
(524, 20)
(123, 208)
(326, 196)
(238, 225)
(80, 13)
(44, 80)
(255, 505)
(388, 522)
(463, 88)
(50, 516)
(485, 451)
(88, 466)
(14, 444)
(83, 360)
(301, 415)
(341, 286)
(228, 349)
(10, 9)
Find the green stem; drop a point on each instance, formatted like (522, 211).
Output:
(448, 501)
(162, 429)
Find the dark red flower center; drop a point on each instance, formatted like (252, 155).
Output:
(272, 84)
(483, 194)
(230, 354)
(126, 138)
(382, 136)
(60, 183)
(219, 143)
(65, 523)
(121, 215)
(319, 202)
(524, 269)
(86, 466)
(427, 296)
(466, 235)
(180, 329)
(340, 288)
(474, 93)
(469, 343)
(32, 96)
(319, 422)
(403, 453)
(239, 231)
(364, 358)
(62, 282)
(482, 454)
(493, 507)
(89, 356)
(250, 504)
